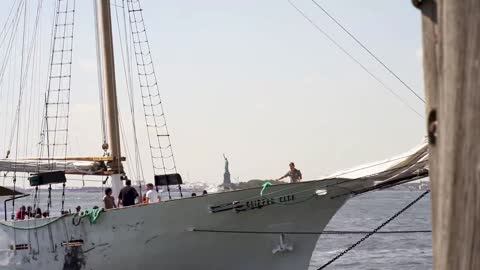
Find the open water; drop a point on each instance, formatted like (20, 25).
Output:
(365, 212)
(380, 251)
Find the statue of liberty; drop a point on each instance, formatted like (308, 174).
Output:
(227, 183)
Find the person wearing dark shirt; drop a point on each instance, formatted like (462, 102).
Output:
(30, 212)
(127, 195)
(294, 174)
(38, 213)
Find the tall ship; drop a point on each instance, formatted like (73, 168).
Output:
(274, 227)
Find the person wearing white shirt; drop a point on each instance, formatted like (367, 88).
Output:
(152, 195)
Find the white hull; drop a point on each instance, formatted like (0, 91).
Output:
(163, 236)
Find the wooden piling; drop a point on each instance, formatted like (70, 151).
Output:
(451, 37)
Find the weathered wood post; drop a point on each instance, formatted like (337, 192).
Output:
(451, 37)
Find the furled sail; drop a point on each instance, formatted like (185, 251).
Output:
(396, 170)
(70, 167)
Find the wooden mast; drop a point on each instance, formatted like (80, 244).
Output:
(109, 89)
(451, 37)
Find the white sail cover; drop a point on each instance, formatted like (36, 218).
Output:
(34, 166)
(409, 163)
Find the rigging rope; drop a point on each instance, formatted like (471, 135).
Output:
(264, 187)
(24, 69)
(35, 198)
(127, 69)
(57, 97)
(163, 160)
(341, 48)
(374, 231)
(311, 233)
(367, 50)
(53, 220)
(63, 198)
(91, 214)
(30, 113)
(55, 122)
(4, 28)
(49, 198)
(13, 201)
(19, 104)
(15, 23)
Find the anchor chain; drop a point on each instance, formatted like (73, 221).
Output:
(374, 231)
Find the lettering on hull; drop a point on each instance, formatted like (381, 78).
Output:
(252, 204)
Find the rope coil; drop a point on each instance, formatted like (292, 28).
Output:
(92, 214)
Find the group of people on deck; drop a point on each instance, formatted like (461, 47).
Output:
(128, 195)
(28, 213)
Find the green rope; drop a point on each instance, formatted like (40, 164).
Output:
(34, 227)
(267, 184)
(92, 214)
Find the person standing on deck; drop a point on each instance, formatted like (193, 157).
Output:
(294, 174)
(108, 200)
(127, 195)
(152, 195)
(22, 213)
(30, 212)
(38, 213)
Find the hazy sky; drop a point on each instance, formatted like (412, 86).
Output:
(256, 81)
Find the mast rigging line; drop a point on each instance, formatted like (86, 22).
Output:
(127, 70)
(367, 50)
(143, 58)
(57, 96)
(341, 48)
(161, 150)
(11, 39)
(336, 232)
(4, 28)
(24, 69)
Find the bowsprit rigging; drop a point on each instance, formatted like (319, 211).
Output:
(355, 59)
(362, 45)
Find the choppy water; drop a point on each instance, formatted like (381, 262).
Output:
(381, 251)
